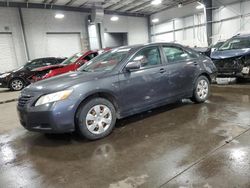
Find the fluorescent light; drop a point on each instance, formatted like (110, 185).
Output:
(59, 16)
(156, 2)
(180, 5)
(114, 18)
(155, 20)
(200, 6)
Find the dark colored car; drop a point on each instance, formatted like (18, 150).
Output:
(17, 79)
(72, 63)
(232, 59)
(208, 50)
(115, 84)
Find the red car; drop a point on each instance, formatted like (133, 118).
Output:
(70, 64)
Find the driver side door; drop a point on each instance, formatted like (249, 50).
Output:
(143, 87)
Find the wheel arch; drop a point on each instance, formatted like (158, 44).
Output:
(100, 94)
(206, 75)
(17, 77)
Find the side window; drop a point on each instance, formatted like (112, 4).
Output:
(51, 61)
(175, 54)
(148, 57)
(90, 56)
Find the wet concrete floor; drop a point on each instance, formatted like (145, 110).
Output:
(180, 145)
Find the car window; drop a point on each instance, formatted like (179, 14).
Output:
(235, 43)
(175, 54)
(72, 59)
(106, 61)
(35, 63)
(51, 61)
(148, 57)
(90, 56)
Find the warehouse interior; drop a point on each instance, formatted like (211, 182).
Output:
(181, 144)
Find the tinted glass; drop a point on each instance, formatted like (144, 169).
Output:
(175, 54)
(35, 63)
(106, 61)
(90, 56)
(148, 57)
(51, 61)
(236, 43)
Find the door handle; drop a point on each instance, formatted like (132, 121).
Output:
(162, 70)
(195, 63)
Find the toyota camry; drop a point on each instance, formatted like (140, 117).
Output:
(116, 84)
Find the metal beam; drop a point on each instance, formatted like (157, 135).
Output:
(209, 18)
(24, 34)
(65, 8)
(131, 5)
(70, 2)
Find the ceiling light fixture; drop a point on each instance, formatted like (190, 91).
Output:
(156, 2)
(59, 16)
(180, 5)
(155, 20)
(200, 6)
(114, 18)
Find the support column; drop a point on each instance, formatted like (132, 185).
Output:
(209, 18)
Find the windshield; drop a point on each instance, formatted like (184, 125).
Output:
(72, 59)
(106, 61)
(218, 45)
(236, 43)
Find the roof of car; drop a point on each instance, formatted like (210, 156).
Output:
(242, 35)
(137, 46)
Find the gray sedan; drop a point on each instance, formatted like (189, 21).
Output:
(114, 85)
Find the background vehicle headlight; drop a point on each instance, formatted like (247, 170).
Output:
(53, 97)
(4, 75)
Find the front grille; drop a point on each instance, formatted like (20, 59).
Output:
(24, 100)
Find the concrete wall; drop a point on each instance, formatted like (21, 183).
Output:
(115, 39)
(38, 22)
(10, 22)
(136, 27)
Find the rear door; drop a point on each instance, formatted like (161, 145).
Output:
(145, 86)
(182, 69)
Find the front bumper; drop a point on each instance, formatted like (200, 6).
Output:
(3, 83)
(57, 117)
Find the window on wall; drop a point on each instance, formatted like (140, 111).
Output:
(148, 57)
(175, 54)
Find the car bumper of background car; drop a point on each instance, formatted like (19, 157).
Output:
(3, 83)
(57, 117)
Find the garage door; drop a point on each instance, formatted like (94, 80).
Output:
(63, 45)
(7, 53)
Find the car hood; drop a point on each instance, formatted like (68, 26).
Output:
(63, 81)
(15, 70)
(230, 53)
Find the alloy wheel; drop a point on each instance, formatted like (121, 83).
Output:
(202, 89)
(17, 85)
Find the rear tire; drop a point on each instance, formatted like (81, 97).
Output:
(202, 90)
(96, 119)
(16, 84)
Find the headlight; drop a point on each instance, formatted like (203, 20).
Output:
(53, 97)
(4, 75)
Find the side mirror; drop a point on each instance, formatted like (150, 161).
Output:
(133, 65)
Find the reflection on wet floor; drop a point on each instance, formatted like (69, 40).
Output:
(145, 150)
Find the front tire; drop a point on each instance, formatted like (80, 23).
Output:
(202, 90)
(16, 84)
(96, 119)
